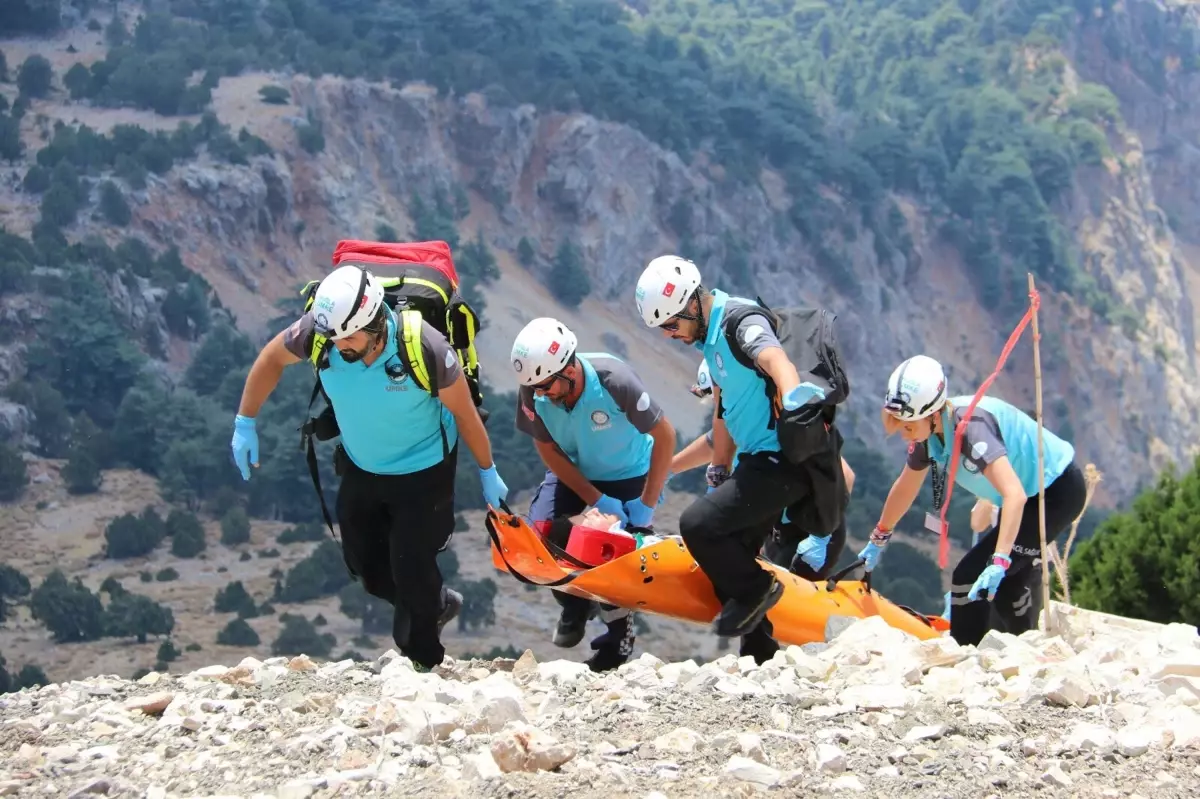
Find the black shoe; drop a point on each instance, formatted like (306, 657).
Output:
(614, 647)
(759, 643)
(739, 618)
(572, 624)
(451, 605)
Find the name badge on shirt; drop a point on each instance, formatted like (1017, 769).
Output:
(933, 523)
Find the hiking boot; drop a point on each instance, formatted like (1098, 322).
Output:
(759, 643)
(739, 618)
(614, 647)
(451, 605)
(572, 624)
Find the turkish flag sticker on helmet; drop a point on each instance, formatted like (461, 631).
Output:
(668, 289)
(553, 348)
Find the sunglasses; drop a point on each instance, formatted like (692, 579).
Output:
(545, 384)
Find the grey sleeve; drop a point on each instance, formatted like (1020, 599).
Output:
(297, 338)
(918, 456)
(623, 384)
(448, 367)
(754, 335)
(528, 422)
(982, 442)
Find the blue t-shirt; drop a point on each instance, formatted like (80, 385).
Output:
(996, 428)
(743, 403)
(607, 434)
(389, 424)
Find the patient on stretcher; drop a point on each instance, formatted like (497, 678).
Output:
(594, 537)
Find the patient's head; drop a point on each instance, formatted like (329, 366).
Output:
(596, 520)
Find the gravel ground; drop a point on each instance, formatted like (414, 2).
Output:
(1093, 712)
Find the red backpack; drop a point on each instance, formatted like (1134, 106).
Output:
(417, 277)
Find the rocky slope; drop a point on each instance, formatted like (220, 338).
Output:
(1106, 709)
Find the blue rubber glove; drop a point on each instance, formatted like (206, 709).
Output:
(244, 444)
(494, 489)
(990, 579)
(812, 551)
(946, 612)
(611, 505)
(871, 554)
(874, 548)
(640, 514)
(800, 395)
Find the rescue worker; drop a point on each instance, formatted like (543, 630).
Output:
(999, 463)
(395, 504)
(606, 445)
(806, 555)
(725, 528)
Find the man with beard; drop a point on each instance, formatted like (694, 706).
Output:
(775, 423)
(395, 505)
(606, 445)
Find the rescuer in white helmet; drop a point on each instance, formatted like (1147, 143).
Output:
(398, 448)
(998, 462)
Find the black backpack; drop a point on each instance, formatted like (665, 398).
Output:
(809, 339)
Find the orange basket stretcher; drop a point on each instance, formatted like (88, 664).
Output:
(663, 578)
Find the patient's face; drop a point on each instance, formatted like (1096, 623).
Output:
(596, 520)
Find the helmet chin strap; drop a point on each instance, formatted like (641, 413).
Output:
(699, 317)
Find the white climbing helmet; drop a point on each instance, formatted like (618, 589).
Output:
(916, 389)
(543, 348)
(346, 301)
(665, 287)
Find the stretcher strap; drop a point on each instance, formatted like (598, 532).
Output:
(960, 429)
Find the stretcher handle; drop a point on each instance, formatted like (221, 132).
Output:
(833, 580)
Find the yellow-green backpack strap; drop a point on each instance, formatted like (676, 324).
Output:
(410, 338)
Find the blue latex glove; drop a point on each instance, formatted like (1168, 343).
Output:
(871, 554)
(800, 395)
(244, 444)
(946, 611)
(640, 514)
(611, 505)
(494, 489)
(990, 579)
(812, 551)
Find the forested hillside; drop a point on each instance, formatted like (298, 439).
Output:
(178, 168)
(936, 100)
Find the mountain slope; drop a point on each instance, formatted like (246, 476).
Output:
(277, 165)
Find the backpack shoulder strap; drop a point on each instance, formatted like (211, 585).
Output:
(735, 316)
(419, 361)
(413, 350)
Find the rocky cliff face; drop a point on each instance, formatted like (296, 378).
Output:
(258, 231)
(545, 176)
